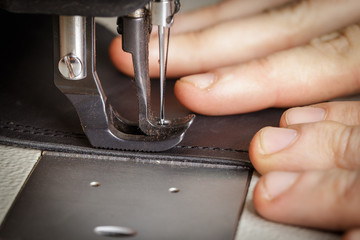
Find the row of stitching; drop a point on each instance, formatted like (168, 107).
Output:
(55, 133)
(38, 131)
(213, 149)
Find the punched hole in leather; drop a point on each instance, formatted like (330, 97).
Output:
(34, 114)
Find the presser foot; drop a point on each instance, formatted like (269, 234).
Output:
(135, 30)
(75, 75)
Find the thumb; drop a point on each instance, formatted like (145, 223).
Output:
(321, 199)
(311, 146)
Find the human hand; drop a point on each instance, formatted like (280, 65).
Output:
(311, 168)
(299, 57)
(283, 57)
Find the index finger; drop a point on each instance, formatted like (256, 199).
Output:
(241, 40)
(325, 69)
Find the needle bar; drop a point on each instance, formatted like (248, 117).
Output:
(163, 60)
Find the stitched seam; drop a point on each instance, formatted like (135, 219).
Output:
(213, 149)
(38, 131)
(55, 133)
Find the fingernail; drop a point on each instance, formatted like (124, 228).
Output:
(275, 183)
(305, 115)
(273, 139)
(201, 81)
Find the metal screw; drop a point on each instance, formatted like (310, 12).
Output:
(138, 13)
(70, 67)
(174, 190)
(95, 184)
(114, 231)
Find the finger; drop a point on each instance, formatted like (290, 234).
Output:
(353, 234)
(320, 199)
(324, 69)
(254, 37)
(344, 112)
(312, 146)
(220, 12)
(238, 41)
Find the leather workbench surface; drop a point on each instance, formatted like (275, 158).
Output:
(35, 114)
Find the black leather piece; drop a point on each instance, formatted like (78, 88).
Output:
(35, 114)
(58, 202)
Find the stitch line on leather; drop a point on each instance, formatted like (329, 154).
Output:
(12, 126)
(63, 148)
(157, 160)
(213, 149)
(38, 131)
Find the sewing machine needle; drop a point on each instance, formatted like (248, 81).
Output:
(163, 60)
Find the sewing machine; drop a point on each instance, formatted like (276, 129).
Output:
(75, 68)
(99, 191)
(56, 186)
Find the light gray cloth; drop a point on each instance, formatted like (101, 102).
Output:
(15, 166)
(252, 226)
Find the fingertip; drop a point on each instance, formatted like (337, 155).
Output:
(180, 91)
(283, 122)
(255, 156)
(190, 97)
(259, 201)
(205, 94)
(267, 147)
(271, 192)
(121, 60)
(211, 94)
(264, 205)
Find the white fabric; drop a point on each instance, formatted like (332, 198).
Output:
(15, 166)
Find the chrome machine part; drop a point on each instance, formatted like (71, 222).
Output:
(72, 35)
(74, 41)
(135, 38)
(162, 13)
